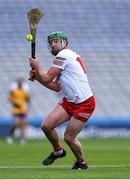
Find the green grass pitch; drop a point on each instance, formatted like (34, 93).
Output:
(107, 158)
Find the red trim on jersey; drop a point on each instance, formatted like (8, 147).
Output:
(57, 62)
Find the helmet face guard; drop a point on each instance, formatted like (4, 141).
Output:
(57, 35)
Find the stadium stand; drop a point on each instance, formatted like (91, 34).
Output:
(98, 29)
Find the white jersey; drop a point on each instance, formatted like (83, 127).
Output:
(73, 78)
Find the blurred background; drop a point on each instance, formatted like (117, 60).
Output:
(99, 30)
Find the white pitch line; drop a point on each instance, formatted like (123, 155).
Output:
(65, 166)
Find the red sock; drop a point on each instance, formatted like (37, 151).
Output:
(58, 148)
(81, 161)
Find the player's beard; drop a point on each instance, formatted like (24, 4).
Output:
(55, 52)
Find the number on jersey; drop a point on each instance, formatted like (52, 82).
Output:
(81, 64)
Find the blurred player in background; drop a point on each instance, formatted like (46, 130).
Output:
(68, 74)
(19, 98)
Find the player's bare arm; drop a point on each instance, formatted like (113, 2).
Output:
(48, 79)
(53, 85)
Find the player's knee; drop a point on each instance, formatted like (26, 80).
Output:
(45, 128)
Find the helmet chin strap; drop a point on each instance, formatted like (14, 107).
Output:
(62, 43)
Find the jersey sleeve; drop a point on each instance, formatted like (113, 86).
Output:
(60, 61)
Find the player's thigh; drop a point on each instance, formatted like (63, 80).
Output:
(73, 128)
(56, 117)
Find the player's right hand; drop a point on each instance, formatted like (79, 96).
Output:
(34, 63)
(32, 74)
